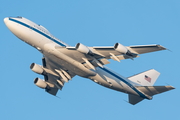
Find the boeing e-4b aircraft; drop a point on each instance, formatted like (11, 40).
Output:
(62, 62)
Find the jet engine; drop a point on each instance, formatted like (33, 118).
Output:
(40, 83)
(37, 68)
(83, 49)
(120, 48)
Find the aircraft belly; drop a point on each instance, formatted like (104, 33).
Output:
(102, 77)
(36, 40)
(107, 80)
(76, 55)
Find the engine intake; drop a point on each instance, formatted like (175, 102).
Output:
(83, 49)
(37, 69)
(120, 48)
(40, 83)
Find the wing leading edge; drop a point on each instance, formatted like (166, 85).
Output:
(139, 49)
(102, 54)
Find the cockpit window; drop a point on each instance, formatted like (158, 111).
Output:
(19, 17)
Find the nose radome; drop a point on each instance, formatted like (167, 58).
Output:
(6, 20)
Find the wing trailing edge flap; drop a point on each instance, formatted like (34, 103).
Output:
(54, 86)
(52, 90)
(133, 99)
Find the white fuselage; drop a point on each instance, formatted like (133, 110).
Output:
(41, 39)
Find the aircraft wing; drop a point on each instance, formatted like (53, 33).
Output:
(139, 49)
(54, 81)
(102, 54)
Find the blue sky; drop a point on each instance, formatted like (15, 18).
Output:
(93, 23)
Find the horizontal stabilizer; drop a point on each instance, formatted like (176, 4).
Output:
(133, 99)
(153, 90)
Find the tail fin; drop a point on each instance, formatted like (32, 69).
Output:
(147, 78)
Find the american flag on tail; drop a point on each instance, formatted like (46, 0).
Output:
(147, 78)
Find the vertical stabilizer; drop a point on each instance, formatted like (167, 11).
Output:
(147, 78)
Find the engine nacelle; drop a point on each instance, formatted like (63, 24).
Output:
(40, 83)
(120, 48)
(82, 48)
(37, 68)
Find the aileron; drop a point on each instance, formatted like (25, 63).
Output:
(146, 48)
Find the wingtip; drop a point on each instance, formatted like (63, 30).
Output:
(162, 47)
(170, 87)
(173, 87)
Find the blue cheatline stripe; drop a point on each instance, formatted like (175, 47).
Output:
(127, 83)
(38, 31)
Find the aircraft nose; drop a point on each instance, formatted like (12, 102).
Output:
(6, 20)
